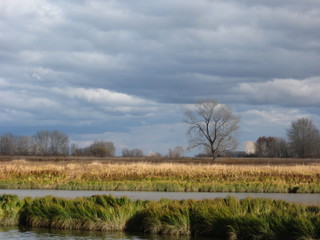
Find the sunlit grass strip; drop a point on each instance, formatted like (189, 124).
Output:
(227, 218)
(160, 176)
(166, 186)
(100, 213)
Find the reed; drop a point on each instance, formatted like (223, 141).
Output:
(149, 176)
(100, 213)
(227, 218)
(10, 206)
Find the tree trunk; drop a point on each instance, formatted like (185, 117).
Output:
(213, 152)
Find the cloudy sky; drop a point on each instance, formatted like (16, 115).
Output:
(124, 71)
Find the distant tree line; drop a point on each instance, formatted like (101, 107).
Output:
(136, 152)
(51, 143)
(56, 143)
(303, 141)
(176, 152)
(96, 149)
(45, 143)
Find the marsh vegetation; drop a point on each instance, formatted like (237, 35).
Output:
(192, 176)
(227, 218)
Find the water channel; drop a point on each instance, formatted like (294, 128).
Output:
(304, 198)
(14, 233)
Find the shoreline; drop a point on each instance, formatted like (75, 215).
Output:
(299, 198)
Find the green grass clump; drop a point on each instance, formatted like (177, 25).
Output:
(10, 206)
(167, 217)
(255, 219)
(101, 213)
(228, 218)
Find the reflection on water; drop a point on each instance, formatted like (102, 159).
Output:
(37, 234)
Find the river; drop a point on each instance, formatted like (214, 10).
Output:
(304, 198)
(14, 233)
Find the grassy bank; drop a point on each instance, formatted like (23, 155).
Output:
(150, 176)
(228, 218)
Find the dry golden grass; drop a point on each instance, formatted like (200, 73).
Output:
(185, 160)
(140, 170)
(160, 176)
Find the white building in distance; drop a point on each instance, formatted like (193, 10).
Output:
(250, 147)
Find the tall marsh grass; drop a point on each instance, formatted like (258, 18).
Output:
(229, 218)
(100, 213)
(10, 206)
(100, 175)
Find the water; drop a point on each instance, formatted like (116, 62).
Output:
(305, 198)
(14, 233)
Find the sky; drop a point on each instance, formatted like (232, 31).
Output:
(125, 71)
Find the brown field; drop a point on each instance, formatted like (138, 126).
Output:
(129, 170)
(158, 174)
(185, 160)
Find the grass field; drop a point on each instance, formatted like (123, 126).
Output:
(229, 218)
(161, 174)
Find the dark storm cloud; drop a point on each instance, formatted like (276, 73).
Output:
(119, 45)
(84, 61)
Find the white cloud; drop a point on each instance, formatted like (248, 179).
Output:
(292, 92)
(277, 116)
(3, 82)
(95, 60)
(268, 121)
(43, 13)
(101, 96)
(9, 115)
(22, 100)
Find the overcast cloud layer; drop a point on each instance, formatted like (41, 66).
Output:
(124, 70)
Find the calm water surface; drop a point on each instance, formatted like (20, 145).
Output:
(304, 198)
(38, 234)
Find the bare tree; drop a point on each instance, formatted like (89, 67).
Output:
(136, 152)
(176, 152)
(59, 143)
(74, 149)
(25, 145)
(42, 142)
(271, 147)
(125, 152)
(281, 148)
(102, 149)
(304, 138)
(8, 144)
(212, 126)
(77, 151)
(51, 143)
(264, 146)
